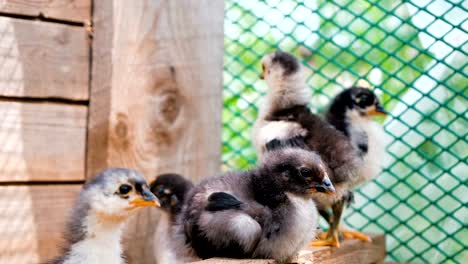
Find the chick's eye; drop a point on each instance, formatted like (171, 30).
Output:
(125, 188)
(305, 172)
(363, 100)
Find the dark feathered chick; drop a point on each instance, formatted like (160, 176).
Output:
(287, 105)
(104, 204)
(171, 189)
(258, 213)
(351, 112)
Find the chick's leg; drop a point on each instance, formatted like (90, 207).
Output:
(332, 238)
(348, 198)
(328, 217)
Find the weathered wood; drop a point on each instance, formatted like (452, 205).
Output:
(350, 252)
(156, 94)
(234, 261)
(43, 60)
(70, 10)
(42, 141)
(32, 221)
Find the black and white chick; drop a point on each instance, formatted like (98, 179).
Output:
(171, 189)
(352, 112)
(287, 100)
(258, 213)
(286, 88)
(98, 216)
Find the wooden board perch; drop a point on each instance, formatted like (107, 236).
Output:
(350, 252)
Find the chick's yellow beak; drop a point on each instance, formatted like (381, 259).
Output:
(377, 110)
(325, 186)
(262, 75)
(147, 199)
(140, 202)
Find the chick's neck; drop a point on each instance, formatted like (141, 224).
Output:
(267, 191)
(285, 92)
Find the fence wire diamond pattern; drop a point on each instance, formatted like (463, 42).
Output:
(414, 53)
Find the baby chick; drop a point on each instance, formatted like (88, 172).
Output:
(171, 190)
(286, 88)
(351, 112)
(104, 204)
(286, 104)
(258, 213)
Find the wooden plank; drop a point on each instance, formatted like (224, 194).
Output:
(70, 10)
(33, 220)
(42, 141)
(43, 60)
(156, 95)
(234, 261)
(350, 252)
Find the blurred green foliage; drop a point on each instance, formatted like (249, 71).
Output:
(414, 54)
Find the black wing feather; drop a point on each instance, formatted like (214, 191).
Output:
(220, 201)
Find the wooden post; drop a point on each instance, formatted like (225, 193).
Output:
(155, 100)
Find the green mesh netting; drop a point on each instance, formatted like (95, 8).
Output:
(414, 53)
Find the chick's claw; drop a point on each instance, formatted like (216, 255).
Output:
(332, 241)
(323, 235)
(351, 234)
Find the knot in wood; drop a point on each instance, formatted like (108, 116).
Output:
(121, 131)
(170, 105)
(62, 37)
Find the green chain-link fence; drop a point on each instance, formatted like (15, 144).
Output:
(414, 53)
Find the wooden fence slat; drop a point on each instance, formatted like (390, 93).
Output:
(156, 95)
(69, 10)
(43, 60)
(42, 141)
(32, 221)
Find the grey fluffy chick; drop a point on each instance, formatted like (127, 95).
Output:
(285, 115)
(103, 206)
(266, 212)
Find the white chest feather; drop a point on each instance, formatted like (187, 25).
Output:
(301, 230)
(265, 131)
(101, 245)
(370, 132)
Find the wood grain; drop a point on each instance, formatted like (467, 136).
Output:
(32, 221)
(156, 95)
(42, 141)
(350, 252)
(44, 60)
(70, 10)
